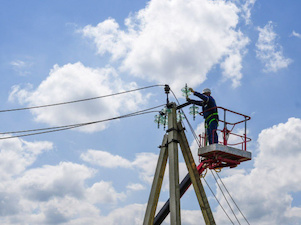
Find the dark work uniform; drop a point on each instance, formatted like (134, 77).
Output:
(210, 116)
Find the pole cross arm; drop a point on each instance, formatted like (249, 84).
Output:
(183, 105)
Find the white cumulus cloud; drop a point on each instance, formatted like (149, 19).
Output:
(16, 155)
(42, 184)
(269, 51)
(246, 10)
(175, 42)
(144, 162)
(73, 82)
(111, 196)
(21, 67)
(295, 34)
(51, 194)
(105, 159)
(135, 187)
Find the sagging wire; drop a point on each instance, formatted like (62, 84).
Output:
(232, 199)
(218, 201)
(72, 126)
(225, 197)
(80, 100)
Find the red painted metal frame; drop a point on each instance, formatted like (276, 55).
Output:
(219, 162)
(201, 167)
(227, 132)
(215, 160)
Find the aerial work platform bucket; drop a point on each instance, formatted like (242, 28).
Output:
(219, 156)
(230, 151)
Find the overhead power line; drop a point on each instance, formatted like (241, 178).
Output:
(218, 201)
(72, 126)
(232, 199)
(225, 197)
(80, 100)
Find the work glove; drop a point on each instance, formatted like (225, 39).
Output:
(190, 89)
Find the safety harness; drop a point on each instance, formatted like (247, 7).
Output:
(210, 119)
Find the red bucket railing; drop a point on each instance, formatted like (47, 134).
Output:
(226, 133)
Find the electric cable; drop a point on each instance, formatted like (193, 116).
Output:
(218, 200)
(232, 199)
(80, 100)
(225, 197)
(72, 126)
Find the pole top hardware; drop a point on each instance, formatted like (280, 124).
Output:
(174, 129)
(171, 105)
(166, 88)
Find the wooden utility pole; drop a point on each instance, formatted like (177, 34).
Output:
(169, 149)
(174, 187)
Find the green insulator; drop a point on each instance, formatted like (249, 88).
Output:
(193, 110)
(163, 120)
(157, 120)
(185, 91)
(166, 110)
(180, 116)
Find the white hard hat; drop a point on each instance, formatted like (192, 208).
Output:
(206, 90)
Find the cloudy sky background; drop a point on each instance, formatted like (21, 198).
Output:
(246, 51)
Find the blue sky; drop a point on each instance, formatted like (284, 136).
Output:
(246, 51)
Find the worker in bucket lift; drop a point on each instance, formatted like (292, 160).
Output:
(210, 116)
